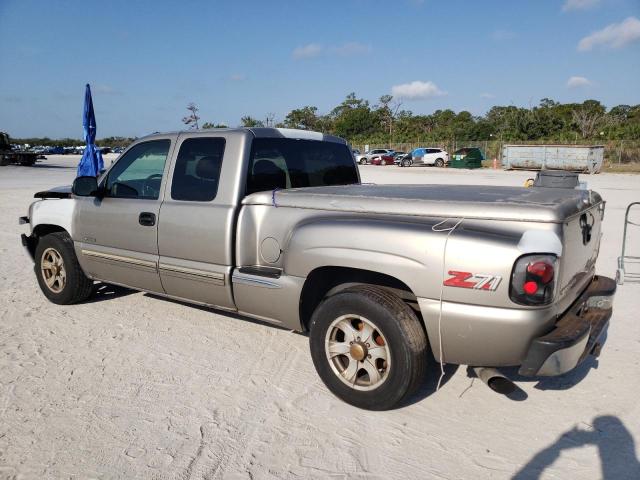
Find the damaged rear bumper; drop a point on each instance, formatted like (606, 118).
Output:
(576, 335)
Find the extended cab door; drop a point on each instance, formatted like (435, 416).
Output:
(196, 230)
(116, 235)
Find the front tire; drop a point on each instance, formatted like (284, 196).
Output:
(58, 272)
(368, 347)
(439, 163)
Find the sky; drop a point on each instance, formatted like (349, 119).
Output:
(146, 60)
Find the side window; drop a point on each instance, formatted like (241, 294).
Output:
(138, 173)
(197, 171)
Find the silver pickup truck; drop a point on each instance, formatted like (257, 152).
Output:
(274, 224)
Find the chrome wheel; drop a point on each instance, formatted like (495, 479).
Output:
(357, 352)
(52, 270)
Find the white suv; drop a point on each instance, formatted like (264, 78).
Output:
(426, 156)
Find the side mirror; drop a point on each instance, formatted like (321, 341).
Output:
(85, 187)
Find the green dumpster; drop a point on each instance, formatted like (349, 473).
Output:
(467, 158)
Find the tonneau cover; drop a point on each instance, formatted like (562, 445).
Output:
(552, 205)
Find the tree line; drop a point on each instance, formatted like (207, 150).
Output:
(387, 122)
(384, 122)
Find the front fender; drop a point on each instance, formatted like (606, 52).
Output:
(53, 212)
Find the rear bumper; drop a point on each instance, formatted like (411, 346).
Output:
(576, 334)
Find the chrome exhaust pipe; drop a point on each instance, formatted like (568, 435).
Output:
(495, 380)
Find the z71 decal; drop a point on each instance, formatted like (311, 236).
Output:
(476, 281)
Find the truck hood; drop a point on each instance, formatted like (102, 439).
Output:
(56, 192)
(550, 205)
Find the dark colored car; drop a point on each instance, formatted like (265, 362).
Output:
(382, 160)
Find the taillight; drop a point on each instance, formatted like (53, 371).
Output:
(533, 279)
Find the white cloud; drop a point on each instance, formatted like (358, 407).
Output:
(351, 48)
(501, 35)
(616, 35)
(416, 90)
(578, 82)
(307, 51)
(487, 95)
(579, 4)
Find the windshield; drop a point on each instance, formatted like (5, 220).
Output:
(293, 163)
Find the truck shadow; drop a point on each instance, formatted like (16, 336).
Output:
(430, 385)
(105, 291)
(224, 313)
(608, 434)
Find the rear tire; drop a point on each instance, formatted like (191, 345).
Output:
(58, 272)
(4, 160)
(373, 313)
(363, 161)
(406, 163)
(439, 163)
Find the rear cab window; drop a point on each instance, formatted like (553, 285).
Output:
(196, 174)
(280, 163)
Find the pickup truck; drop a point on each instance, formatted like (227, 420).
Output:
(274, 224)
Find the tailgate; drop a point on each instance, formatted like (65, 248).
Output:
(581, 243)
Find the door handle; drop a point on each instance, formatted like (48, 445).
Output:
(147, 219)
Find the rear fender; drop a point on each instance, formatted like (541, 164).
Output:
(405, 251)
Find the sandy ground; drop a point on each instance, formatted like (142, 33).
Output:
(133, 386)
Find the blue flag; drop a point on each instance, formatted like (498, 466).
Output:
(91, 163)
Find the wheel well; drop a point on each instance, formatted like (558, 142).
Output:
(325, 281)
(40, 231)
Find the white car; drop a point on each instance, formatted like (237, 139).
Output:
(425, 156)
(376, 152)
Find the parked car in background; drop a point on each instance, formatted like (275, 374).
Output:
(55, 151)
(397, 156)
(426, 156)
(366, 158)
(382, 160)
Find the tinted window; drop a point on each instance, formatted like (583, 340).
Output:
(197, 171)
(138, 173)
(291, 163)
